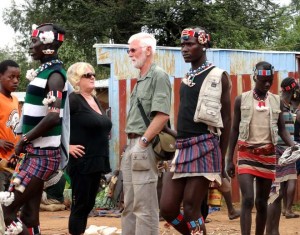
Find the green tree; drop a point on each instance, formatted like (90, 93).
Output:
(248, 24)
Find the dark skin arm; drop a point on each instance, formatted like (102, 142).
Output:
(282, 131)
(226, 117)
(55, 83)
(234, 134)
(6, 145)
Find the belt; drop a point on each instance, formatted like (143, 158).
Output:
(30, 155)
(133, 135)
(257, 151)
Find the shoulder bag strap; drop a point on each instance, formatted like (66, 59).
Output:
(144, 116)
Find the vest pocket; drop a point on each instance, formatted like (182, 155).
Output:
(275, 115)
(244, 130)
(209, 111)
(213, 88)
(274, 130)
(245, 112)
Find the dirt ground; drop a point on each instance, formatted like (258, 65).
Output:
(56, 223)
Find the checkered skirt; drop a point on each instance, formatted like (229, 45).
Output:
(41, 167)
(199, 154)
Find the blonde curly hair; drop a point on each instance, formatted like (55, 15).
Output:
(75, 72)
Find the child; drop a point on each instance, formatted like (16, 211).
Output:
(9, 116)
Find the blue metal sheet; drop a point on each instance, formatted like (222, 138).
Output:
(235, 62)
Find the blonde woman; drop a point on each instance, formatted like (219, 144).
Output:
(89, 156)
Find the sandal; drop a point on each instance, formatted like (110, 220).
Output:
(291, 215)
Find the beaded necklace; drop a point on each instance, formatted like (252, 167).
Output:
(31, 74)
(48, 64)
(190, 76)
(261, 106)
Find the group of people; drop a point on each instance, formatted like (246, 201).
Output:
(204, 133)
(61, 116)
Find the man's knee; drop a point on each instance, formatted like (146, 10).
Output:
(248, 201)
(168, 211)
(261, 204)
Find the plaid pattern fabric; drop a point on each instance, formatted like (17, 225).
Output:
(42, 152)
(199, 154)
(284, 173)
(256, 164)
(40, 167)
(289, 126)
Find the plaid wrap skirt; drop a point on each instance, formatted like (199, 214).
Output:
(41, 167)
(199, 154)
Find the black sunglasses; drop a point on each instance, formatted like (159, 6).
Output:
(89, 75)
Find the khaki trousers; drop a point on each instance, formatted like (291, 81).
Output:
(2, 224)
(141, 212)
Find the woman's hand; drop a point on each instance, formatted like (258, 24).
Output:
(76, 151)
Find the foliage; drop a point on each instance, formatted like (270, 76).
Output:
(19, 57)
(248, 24)
(289, 36)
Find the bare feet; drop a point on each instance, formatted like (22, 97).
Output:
(234, 214)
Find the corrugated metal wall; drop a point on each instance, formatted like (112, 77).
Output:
(238, 63)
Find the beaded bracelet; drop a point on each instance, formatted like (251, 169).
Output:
(24, 138)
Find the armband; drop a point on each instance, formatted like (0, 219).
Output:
(51, 97)
(53, 110)
(24, 138)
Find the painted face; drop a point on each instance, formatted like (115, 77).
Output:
(191, 50)
(10, 79)
(137, 54)
(264, 83)
(36, 47)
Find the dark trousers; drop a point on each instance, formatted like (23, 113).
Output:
(84, 192)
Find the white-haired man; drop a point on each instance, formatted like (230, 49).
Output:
(139, 164)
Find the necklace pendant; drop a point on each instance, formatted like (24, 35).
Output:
(191, 81)
(261, 106)
(191, 84)
(261, 103)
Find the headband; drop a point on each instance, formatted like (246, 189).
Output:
(263, 72)
(47, 36)
(202, 36)
(289, 87)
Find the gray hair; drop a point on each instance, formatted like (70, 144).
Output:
(146, 39)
